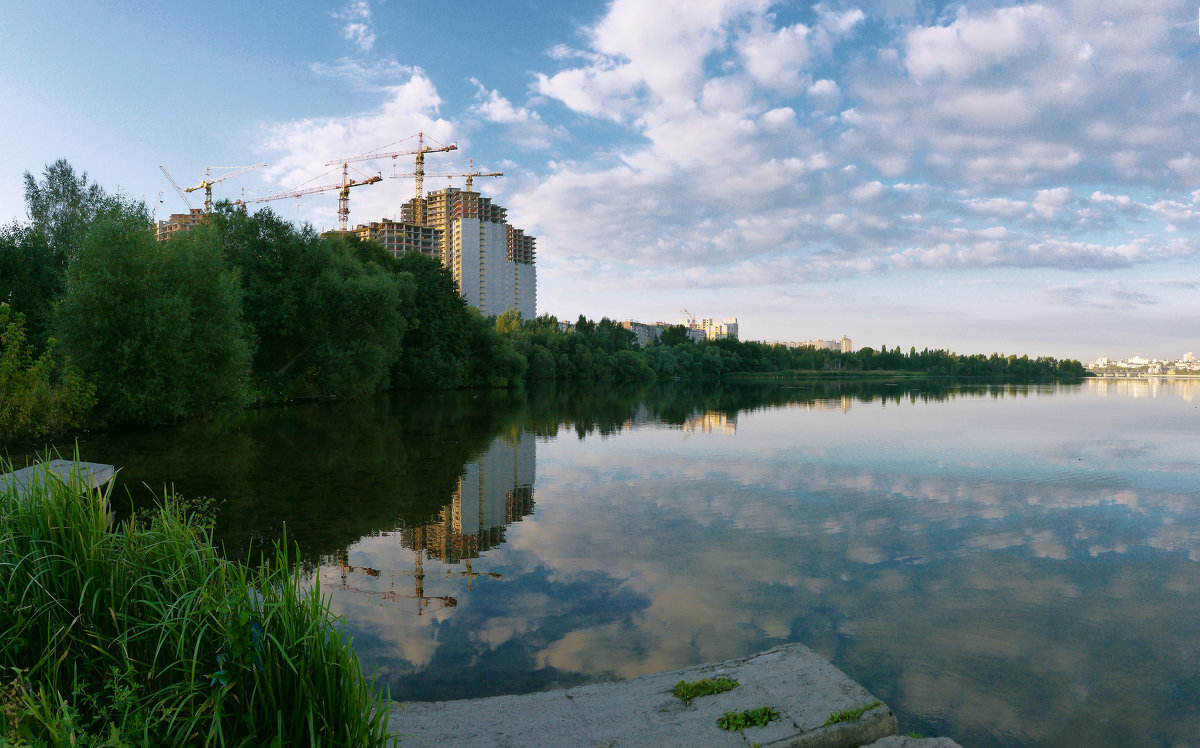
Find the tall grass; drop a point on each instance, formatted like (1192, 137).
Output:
(145, 635)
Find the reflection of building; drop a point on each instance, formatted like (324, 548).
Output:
(841, 402)
(495, 490)
(1137, 387)
(711, 420)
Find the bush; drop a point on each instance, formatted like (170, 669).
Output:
(33, 402)
(145, 635)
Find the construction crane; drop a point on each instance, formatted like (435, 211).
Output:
(689, 316)
(178, 189)
(343, 194)
(207, 183)
(422, 149)
(470, 175)
(157, 202)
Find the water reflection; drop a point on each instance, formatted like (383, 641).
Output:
(1008, 565)
(494, 491)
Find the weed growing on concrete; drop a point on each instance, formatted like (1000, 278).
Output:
(686, 692)
(750, 718)
(850, 715)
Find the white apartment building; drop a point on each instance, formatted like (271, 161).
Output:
(492, 262)
(720, 330)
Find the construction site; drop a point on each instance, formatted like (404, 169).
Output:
(492, 262)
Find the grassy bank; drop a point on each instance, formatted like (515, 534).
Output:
(144, 635)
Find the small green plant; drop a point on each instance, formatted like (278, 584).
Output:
(914, 734)
(850, 715)
(749, 718)
(686, 692)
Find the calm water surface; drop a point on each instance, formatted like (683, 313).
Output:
(1003, 565)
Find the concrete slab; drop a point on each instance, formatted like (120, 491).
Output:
(792, 679)
(93, 474)
(904, 741)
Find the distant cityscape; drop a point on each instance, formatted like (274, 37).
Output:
(1138, 366)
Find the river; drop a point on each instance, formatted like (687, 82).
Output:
(1005, 565)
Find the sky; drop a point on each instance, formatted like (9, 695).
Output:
(1021, 178)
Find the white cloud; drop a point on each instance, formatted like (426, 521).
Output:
(1047, 203)
(723, 163)
(357, 24)
(495, 108)
(971, 44)
(777, 59)
(997, 206)
(299, 150)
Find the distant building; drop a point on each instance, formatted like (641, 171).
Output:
(844, 345)
(648, 333)
(645, 334)
(720, 330)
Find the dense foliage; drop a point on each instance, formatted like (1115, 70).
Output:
(145, 635)
(35, 398)
(246, 309)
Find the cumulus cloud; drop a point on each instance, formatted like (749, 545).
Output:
(1047, 203)
(733, 148)
(299, 149)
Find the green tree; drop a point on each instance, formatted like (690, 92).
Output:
(63, 206)
(158, 329)
(674, 335)
(31, 278)
(327, 313)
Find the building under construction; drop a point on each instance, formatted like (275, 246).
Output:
(491, 261)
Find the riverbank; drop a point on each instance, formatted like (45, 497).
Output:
(799, 698)
(141, 633)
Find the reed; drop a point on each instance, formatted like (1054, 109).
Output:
(145, 635)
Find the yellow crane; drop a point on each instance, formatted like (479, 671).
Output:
(422, 149)
(343, 194)
(470, 175)
(207, 183)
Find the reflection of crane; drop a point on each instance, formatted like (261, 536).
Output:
(178, 189)
(343, 193)
(418, 575)
(207, 183)
(422, 149)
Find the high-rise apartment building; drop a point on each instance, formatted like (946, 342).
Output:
(491, 261)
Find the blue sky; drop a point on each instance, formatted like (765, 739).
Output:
(979, 176)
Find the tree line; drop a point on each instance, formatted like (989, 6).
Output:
(102, 324)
